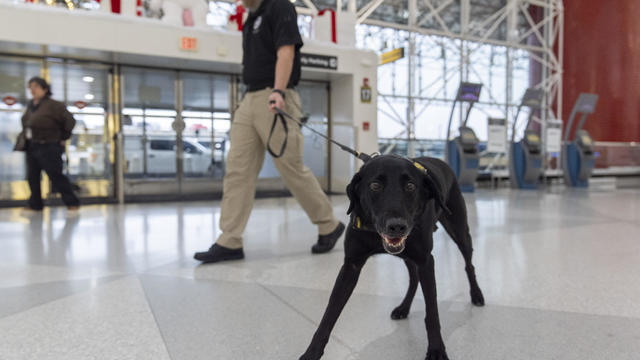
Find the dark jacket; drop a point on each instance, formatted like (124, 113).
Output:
(50, 121)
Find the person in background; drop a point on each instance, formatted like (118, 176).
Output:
(47, 125)
(271, 45)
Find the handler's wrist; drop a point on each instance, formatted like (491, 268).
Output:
(279, 92)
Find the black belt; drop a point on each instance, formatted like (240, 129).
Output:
(254, 88)
(43, 142)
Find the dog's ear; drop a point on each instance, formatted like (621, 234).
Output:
(435, 191)
(352, 193)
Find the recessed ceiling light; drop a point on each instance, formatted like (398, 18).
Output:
(88, 79)
(89, 97)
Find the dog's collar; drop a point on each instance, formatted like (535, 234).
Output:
(419, 166)
(357, 224)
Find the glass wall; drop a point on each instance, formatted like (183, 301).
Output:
(155, 101)
(441, 63)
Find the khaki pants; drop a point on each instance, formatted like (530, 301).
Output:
(249, 133)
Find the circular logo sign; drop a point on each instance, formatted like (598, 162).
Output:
(80, 104)
(178, 126)
(9, 100)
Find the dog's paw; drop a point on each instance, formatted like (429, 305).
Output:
(311, 355)
(477, 298)
(436, 355)
(399, 313)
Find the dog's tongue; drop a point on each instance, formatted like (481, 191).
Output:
(394, 240)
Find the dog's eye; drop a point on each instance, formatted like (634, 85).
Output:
(411, 187)
(375, 186)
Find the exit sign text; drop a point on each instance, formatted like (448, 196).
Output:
(189, 44)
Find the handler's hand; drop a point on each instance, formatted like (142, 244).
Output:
(279, 102)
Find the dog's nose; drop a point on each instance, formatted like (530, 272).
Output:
(396, 226)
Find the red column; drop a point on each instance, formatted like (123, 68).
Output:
(602, 56)
(115, 6)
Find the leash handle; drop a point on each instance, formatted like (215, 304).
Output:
(286, 136)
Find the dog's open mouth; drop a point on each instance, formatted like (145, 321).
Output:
(393, 245)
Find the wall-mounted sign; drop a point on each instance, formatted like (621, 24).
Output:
(469, 92)
(188, 43)
(365, 126)
(533, 98)
(366, 92)
(391, 56)
(497, 135)
(80, 104)
(9, 100)
(319, 61)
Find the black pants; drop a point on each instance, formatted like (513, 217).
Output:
(47, 157)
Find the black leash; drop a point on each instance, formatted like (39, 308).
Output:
(281, 114)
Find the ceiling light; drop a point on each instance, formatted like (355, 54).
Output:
(88, 79)
(89, 97)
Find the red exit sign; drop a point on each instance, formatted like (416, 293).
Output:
(189, 44)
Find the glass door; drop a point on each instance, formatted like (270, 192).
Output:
(147, 124)
(207, 120)
(14, 74)
(83, 88)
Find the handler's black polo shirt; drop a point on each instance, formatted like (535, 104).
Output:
(273, 25)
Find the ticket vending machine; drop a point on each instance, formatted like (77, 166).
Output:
(525, 156)
(462, 152)
(578, 158)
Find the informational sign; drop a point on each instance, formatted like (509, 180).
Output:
(188, 43)
(365, 92)
(9, 100)
(319, 61)
(469, 92)
(391, 56)
(497, 135)
(587, 103)
(366, 126)
(554, 136)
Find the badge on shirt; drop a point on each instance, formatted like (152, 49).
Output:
(28, 133)
(256, 24)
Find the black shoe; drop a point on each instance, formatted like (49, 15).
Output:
(327, 242)
(217, 253)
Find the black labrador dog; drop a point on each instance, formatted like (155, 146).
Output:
(395, 204)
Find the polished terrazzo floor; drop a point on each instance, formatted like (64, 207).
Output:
(560, 271)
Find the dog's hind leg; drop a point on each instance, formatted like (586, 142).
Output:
(402, 311)
(457, 226)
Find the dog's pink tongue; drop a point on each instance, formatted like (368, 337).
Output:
(395, 240)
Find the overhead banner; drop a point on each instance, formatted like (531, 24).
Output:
(391, 56)
(497, 135)
(554, 136)
(319, 61)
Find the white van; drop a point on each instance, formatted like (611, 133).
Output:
(161, 156)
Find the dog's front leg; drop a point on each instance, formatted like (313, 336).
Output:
(436, 348)
(345, 283)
